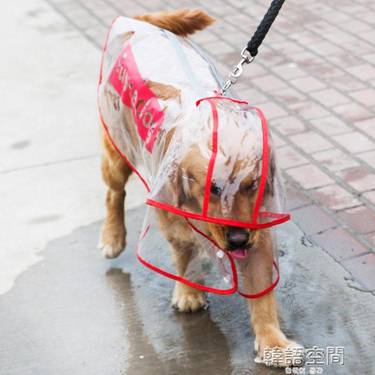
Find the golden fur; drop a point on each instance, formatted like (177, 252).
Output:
(264, 317)
(181, 22)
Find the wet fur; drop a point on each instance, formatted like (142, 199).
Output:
(264, 316)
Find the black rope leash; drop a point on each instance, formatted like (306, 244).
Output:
(251, 50)
(262, 30)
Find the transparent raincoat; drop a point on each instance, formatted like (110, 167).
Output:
(207, 161)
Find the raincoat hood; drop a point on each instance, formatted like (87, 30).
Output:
(206, 158)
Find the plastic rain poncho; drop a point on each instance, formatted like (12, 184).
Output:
(206, 160)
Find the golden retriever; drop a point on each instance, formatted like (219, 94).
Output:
(258, 268)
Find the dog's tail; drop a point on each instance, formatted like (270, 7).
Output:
(181, 22)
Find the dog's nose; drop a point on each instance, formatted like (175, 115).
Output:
(237, 237)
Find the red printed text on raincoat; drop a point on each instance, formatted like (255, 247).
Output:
(134, 93)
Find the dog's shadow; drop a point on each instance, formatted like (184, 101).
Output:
(161, 339)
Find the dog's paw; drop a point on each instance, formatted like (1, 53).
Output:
(109, 251)
(274, 349)
(186, 299)
(112, 246)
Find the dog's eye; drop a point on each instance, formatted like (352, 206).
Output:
(251, 186)
(216, 190)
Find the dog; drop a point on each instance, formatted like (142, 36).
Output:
(187, 188)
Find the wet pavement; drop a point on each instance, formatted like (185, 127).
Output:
(317, 91)
(76, 313)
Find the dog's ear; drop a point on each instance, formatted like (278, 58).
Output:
(162, 91)
(180, 187)
(271, 174)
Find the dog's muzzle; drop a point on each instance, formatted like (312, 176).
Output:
(238, 240)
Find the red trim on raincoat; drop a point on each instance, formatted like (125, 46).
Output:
(279, 218)
(185, 281)
(105, 127)
(205, 288)
(127, 161)
(265, 160)
(255, 295)
(264, 291)
(211, 164)
(199, 101)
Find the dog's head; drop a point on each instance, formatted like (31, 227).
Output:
(233, 187)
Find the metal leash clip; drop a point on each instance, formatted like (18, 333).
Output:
(237, 71)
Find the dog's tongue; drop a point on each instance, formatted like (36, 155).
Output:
(239, 253)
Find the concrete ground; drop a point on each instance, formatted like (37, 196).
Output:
(64, 309)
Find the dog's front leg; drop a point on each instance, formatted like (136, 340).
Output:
(185, 298)
(271, 345)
